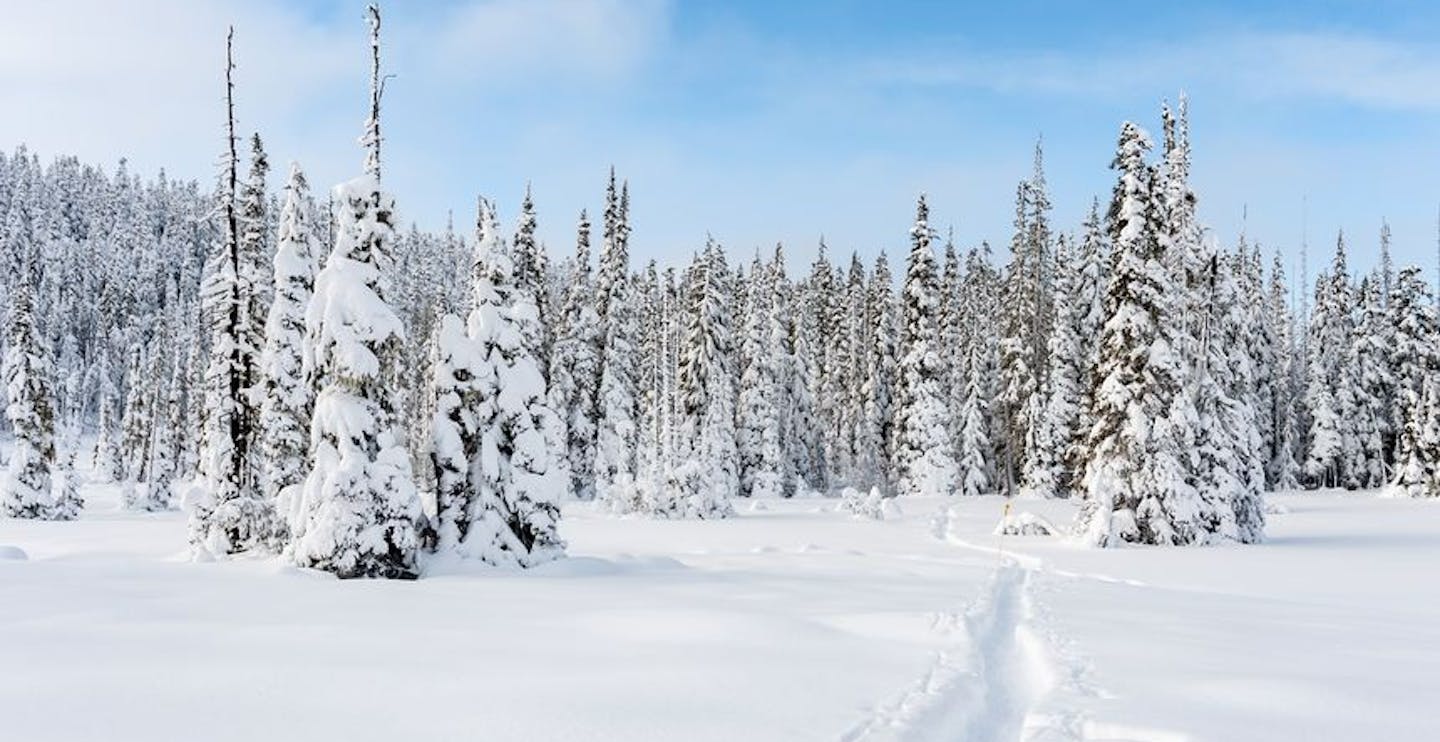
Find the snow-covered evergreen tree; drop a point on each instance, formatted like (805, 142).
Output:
(230, 515)
(758, 416)
(1046, 472)
(495, 415)
(1367, 459)
(288, 396)
(708, 476)
(1329, 391)
(617, 397)
(875, 418)
(1416, 361)
(25, 491)
(575, 369)
(924, 455)
(1139, 464)
(359, 514)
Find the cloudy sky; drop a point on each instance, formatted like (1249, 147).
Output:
(760, 121)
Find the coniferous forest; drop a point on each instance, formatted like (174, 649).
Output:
(307, 376)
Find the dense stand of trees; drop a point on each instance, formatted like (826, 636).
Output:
(255, 353)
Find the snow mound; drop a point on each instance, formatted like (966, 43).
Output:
(1025, 524)
(870, 505)
(12, 554)
(1275, 508)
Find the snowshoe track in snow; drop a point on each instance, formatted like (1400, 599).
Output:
(988, 687)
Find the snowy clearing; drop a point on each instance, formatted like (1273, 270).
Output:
(793, 621)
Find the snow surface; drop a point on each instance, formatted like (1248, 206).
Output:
(792, 621)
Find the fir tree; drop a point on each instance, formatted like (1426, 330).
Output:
(26, 489)
(575, 369)
(1329, 393)
(230, 515)
(507, 513)
(617, 397)
(286, 405)
(924, 456)
(359, 512)
(758, 416)
(1416, 361)
(1139, 466)
(706, 407)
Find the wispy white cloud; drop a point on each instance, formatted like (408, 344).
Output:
(503, 40)
(1335, 67)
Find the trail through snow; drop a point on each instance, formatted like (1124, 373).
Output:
(997, 683)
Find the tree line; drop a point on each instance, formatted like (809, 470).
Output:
(314, 381)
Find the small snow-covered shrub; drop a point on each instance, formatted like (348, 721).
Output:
(1025, 524)
(871, 504)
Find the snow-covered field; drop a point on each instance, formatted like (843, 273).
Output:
(793, 621)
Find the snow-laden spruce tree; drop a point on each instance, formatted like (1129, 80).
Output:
(758, 417)
(924, 454)
(530, 263)
(973, 448)
(575, 369)
(288, 396)
(454, 437)
(707, 475)
(1229, 474)
(1367, 460)
(228, 513)
(876, 394)
(617, 401)
(359, 513)
(26, 489)
(804, 436)
(1329, 391)
(1046, 473)
(976, 448)
(106, 464)
(1139, 464)
(493, 416)
(815, 315)
(1416, 361)
(166, 392)
(1282, 470)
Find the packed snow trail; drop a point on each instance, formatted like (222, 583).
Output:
(987, 688)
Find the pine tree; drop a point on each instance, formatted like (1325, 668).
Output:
(1329, 393)
(137, 426)
(706, 413)
(1416, 361)
(804, 433)
(507, 512)
(359, 512)
(877, 392)
(924, 456)
(1282, 469)
(815, 350)
(758, 416)
(530, 277)
(1370, 362)
(230, 515)
(286, 405)
(1139, 463)
(1231, 466)
(617, 397)
(26, 489)
(1046, 472)
(575, 369)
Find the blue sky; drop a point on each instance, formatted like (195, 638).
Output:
(764, 121)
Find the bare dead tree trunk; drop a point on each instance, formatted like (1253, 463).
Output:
(372, 125)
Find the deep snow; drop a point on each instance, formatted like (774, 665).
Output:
(792, 621)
